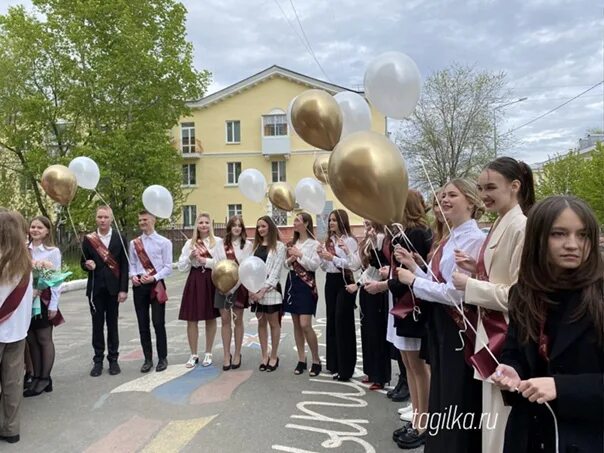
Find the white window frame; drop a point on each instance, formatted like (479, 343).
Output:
(235, 126)
(187, 131)
(234, 209)
(233, 172)
(187, 181)
(272, 120)
(190, 211)
(281, 173)
(279, 216)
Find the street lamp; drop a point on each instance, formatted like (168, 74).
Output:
(495, 120)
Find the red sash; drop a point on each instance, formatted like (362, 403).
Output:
(306, 276)
(543, 342)
(229, 251)
(469, 311)
(402, 305)
(45, 297)
(12, 302)
(159, 288)
(104, 253)
(494, 325)
(331, 248)
(202, 249)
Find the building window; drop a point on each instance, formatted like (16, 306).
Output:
(187, 135)
(234, 209)
(189, 214)
(279, 216)
(188, 175)
(278, 171)
(233, 132)
(233, 172)
(274, 125)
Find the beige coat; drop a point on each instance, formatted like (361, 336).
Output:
(502, 262)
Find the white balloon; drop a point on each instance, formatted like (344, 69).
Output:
(393, 84)
(310, 195)
(252, 184)
(252, 273)
(158, 201)
(355, 112)
(86, 172)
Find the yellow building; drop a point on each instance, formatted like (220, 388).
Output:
(245, 126)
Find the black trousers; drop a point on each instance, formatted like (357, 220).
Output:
(341, 336)
(142, 302)
(104, 308)
(376, 348)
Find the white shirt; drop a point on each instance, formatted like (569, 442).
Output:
(466, 237)
(105, 238)
(15, 328)
(185, 262)
(53, 255)
(159, 250)
(370, 274)
(341, 259)
(240, 253)
(310, 259)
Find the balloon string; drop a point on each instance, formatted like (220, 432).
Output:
(119, 233)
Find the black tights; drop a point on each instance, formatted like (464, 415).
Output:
(42, 351)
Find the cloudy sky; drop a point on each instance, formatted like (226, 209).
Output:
(551, 50)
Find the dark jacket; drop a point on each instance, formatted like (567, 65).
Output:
(576, 363)
(102, 277)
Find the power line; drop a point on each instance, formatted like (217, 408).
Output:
(555, 108)
(307, 41)
(293, 27)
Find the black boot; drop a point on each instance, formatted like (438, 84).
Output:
(401, 380)
(402, 393)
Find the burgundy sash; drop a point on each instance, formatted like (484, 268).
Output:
(306, 276)
(469, 311)
(159, 288)
(242, 294)
(104, 253)
(229, 251)
(45, 297)
(12, 302)
(331, 248)
(543, 342)
(494, 325)
(202, 249)
(402, 305)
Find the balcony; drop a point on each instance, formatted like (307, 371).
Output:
(278, 145)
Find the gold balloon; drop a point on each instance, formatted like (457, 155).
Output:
(60, 183)
(320, 169)
(282, 196)
(367, 173)
(225, 275)
(317, 119)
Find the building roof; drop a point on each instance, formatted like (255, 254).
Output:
(263, 76)
(583, 152)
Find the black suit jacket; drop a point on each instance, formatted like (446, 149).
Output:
(102, 277)
(576, 363)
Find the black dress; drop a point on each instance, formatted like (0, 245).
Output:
(576, 362)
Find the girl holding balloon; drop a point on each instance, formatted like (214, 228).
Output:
(337, 260)
(268, 301)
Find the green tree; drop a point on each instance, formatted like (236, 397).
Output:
(103, 79)
(576, 174)
(452, 129)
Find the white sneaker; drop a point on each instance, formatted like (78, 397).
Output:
(407, 416)
(407, 408)
(193, 360)
(207, 359)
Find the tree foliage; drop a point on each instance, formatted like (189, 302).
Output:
(452, 128)
(576, 174)
(106, 79)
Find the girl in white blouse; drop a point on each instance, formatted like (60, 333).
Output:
(236, 248)
(452, 384)
(39, 338)
(198, 256)
(301, 294)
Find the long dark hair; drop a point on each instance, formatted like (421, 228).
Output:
(310, 229)
(48, 241)
(514, 170)
(228, 238)
(343, 223)
(273, 234)
(536, 277)
(365, 250)
(415, 211)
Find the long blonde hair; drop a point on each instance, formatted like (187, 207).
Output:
(469, 191)
(15, 261)
(211, 236)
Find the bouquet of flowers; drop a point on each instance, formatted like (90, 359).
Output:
(45, 277)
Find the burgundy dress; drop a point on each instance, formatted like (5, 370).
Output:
(198, 296)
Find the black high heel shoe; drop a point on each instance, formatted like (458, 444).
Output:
(235, 366)
(32, 391)
(315, 369)
(270, 368)
(229, 366)
(263, 366)
(300, 367)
